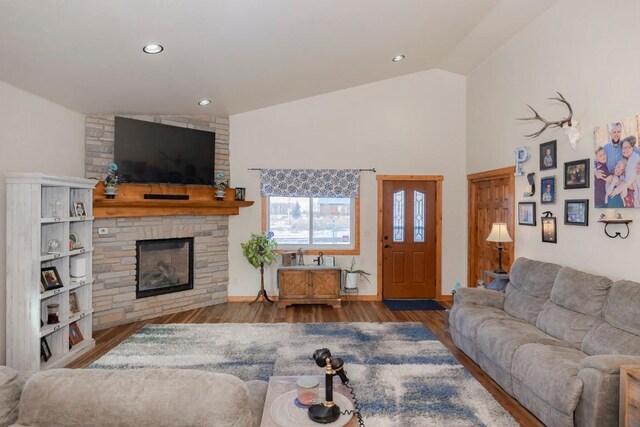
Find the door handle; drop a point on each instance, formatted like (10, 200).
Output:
(386, 246)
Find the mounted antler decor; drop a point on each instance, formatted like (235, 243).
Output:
(569, 126)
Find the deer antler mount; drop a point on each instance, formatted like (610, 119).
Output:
(570, 127)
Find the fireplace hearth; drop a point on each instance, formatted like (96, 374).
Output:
(164, 266)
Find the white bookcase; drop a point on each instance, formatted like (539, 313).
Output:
(40, 208)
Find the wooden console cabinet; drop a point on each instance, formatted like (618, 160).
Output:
(309, 285)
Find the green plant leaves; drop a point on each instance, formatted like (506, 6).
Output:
(259, 249)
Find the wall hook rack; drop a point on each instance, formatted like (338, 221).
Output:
(608, 222)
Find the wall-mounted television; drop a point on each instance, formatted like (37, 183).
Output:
(153, 152)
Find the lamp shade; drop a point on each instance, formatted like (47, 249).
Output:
(499, 233)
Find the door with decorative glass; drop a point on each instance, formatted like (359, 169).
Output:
(409, 239)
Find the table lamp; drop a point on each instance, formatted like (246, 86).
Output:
(500, 234)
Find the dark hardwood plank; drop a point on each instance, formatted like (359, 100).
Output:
(356, 311)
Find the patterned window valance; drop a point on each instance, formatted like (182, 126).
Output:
(309, 182)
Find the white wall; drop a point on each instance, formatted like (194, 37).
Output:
(587, 50)
(36, 135)
(413, 124)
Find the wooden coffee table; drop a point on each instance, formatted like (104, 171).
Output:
(281, 385)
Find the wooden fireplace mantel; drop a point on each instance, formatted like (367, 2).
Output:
(130, 201)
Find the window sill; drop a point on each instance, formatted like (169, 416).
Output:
(352, 251)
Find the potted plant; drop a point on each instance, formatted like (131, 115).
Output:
(220, 184)
(353, 275)
(111, 181)
(259, 252)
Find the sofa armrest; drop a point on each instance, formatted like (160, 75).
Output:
(599, 401)
(609, 363)
(479, 297)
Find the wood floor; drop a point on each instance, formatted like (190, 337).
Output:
(358, 311)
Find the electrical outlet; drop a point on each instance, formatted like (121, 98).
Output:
(103, 231)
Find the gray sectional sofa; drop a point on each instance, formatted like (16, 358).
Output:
(137, 397)
(555, 340)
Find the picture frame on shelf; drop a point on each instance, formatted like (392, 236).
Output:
(548, 156)
(79, 209)
(240, 193)
(75, 335)
(50, 279)
(548, 190)
(576, 174)
(74, 305)
(576, 212)
(45, 351)
(527, 213)
(74, 241)
(549, 231)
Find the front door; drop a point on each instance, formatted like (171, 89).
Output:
(409, 239)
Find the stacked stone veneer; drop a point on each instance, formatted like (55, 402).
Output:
(114, 267)
(114, 256)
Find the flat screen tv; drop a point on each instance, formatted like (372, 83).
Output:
(153, 152)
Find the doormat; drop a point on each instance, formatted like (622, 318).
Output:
(412, 304)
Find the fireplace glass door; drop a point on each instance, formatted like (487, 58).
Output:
(164, 266)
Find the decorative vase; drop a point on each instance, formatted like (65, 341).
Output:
(110, 192)
(352, 280)
(220, 194)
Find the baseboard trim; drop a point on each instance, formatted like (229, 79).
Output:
(247, 298)
(448, 298)
(242, 298)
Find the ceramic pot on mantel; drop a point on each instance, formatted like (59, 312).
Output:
(220, 194)
(110, 192)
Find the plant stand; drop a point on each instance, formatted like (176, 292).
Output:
(262, 292)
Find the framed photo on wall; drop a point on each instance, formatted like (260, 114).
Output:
(527, 213)
(549, 234)
(548, 156)
(576, 174)
(613, 165)
(576, 212)
(548, 190)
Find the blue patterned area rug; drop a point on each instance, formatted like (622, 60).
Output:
(402, 375)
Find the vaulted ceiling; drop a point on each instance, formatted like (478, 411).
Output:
(242, 54)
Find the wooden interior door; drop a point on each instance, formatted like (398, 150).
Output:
(491, 199)
(409, 239)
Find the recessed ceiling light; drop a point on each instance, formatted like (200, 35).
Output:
(398, 58)
(204, 102)
(152, 49)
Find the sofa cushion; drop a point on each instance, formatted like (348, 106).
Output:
(529, 287)
(575, 304)
(618, 331)
(138, 397)
(467, 318)
(550, 373)
(11, 383)
(498, 340)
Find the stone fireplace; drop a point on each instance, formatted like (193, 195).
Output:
(115, 256)
(163, 266)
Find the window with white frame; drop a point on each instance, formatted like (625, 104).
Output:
(314, 209)
(312, 222)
